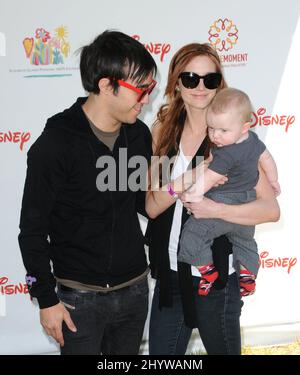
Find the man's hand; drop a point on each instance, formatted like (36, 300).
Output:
(51, 319)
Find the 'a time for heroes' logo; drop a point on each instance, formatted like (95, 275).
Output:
(46, 48)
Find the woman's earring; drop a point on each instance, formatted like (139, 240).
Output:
(177, 88)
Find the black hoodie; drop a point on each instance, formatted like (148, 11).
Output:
(90, 236)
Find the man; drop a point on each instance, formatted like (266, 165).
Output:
(91, 234)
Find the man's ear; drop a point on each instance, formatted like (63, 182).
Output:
(246, 127)
(104, 86)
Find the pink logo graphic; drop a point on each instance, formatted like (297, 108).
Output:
(223, 34)
(160, 49)
(15, 137)
(269, 262)
(10, 288)
(259, 118)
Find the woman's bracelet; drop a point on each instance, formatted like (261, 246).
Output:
(171, 191)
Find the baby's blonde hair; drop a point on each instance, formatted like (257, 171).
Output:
(230, 99)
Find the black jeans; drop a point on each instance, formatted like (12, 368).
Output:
(107, 323)
(218, 321)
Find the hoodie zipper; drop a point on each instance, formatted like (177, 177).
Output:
(112, 202)
(113, 215)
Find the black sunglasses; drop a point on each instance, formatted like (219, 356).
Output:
(191, 80)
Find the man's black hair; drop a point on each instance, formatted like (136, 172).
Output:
(116, 56)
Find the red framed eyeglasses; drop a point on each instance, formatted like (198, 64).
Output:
(139, 90)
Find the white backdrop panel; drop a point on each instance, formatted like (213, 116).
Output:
(263, 62)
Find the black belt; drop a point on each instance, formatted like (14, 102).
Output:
(65, 288)
(104, 291)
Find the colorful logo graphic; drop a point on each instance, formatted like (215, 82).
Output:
(223, 35)
(45, 49)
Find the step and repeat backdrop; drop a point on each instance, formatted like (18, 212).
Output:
(258, 43)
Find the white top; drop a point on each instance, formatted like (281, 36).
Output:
(180, 166)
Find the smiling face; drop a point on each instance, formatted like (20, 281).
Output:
(124, 106)
(199, 97)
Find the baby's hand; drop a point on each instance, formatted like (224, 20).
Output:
(276, 187)
(222, 181)
(192, 194)
(192, 175)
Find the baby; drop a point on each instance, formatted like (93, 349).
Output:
(236, 155)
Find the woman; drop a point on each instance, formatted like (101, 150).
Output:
(195, 75)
